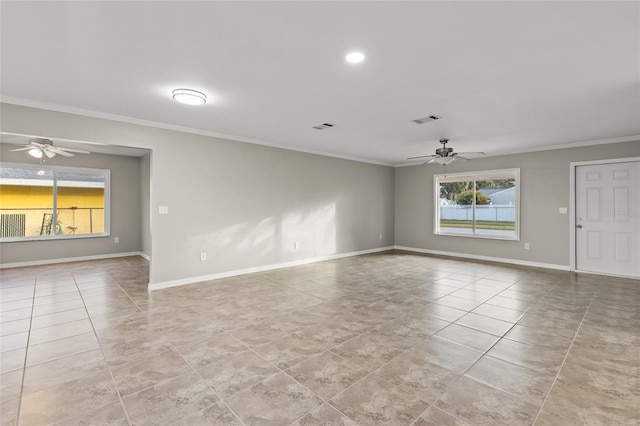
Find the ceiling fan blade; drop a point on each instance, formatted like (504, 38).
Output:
(421, 156)
(58, 151)
(24, 148)
(49, 153)
(471, 154)
(35, 144)
(459, 157)
(79, 151)
(432, 160)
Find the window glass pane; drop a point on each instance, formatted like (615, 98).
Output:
(478, 204)
(496, 205)
(26, 203)
(456, 211)
(51, 202)
(81, 203)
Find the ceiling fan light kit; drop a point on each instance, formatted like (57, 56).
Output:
(446, 155)
(43, 148)
(36, 153)
(443, 160)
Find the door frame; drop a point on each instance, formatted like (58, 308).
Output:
(572, 201)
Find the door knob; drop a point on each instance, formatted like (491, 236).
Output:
(578, 226)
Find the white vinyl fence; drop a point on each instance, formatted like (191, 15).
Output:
(488, 213)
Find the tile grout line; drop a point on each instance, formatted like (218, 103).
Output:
(115, 385)
(128, 295)
(324, 401)
(433, 405)
(555, 379)
(26, 352)
(368, 375)
(385, 363)
(205, 382)
(248, 348)
(468, 311)
(548, 296)
(487, 351)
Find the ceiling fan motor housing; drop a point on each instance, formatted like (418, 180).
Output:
(444, 152)
(41, 141)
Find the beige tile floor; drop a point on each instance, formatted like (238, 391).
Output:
(393, 339)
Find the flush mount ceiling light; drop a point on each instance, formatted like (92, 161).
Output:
(189, 97)
(355, 57)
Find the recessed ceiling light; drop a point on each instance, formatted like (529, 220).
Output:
(355, 57)
(189, 97)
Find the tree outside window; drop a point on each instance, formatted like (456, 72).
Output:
(478, 204)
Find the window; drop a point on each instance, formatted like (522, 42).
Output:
(478, 204)
(50, 202)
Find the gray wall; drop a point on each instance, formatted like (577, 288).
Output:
(245, 205)
(125, 211)
(145, 204)
(544, 178)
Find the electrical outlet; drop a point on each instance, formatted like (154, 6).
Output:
(163, 210)
(526, 246)
(203, 256)
(295, 246)
(562, 210)
(116, 240)
(380, 236)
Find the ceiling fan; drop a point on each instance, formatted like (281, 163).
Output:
(446, 155)
(43, 149)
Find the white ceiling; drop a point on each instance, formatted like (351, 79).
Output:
(505, 76)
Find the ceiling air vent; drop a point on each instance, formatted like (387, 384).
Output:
(427, 119)
(323, 126)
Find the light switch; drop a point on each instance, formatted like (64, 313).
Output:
(562, 210)
(163, 210)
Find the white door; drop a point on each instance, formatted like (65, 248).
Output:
(608, 218)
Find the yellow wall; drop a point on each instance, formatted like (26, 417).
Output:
(35, 201)
(26, 197)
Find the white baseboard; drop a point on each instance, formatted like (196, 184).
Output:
(145, 256)
(69, 259)
(487, 258)
(202, 278)
(628, 277)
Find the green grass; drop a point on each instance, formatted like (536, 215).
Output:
(480, 224)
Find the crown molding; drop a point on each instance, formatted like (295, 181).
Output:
(149, 123)
(553, 147)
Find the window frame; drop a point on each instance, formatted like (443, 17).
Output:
(475, 176)
(66, 169)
